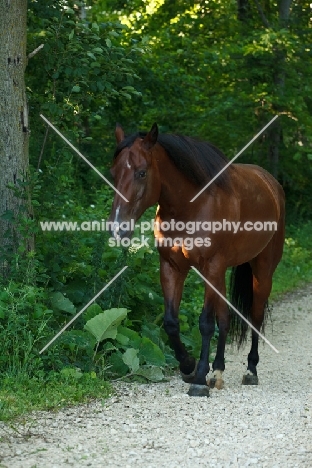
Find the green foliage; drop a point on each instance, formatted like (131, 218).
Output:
(75, 93)
(225, 73)
(130, 358)
(138, 354)
(205, 69)
(49, 392)
(61, 303)
(104, 325)
(24, 319)
(295, 269)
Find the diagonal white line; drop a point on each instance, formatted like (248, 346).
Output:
(237, 311)
(232, 160)
(82, 156)
(83, 309)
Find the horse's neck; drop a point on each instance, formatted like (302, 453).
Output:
(176, 189)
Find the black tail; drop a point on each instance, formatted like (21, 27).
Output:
(241, 295)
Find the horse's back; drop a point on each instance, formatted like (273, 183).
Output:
(257, 179)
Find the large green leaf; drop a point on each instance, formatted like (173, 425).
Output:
(104, 325)
(130, 358)
(151, 353)
(154, 374)
(60, 302)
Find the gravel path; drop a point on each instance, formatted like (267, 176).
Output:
(159, 425)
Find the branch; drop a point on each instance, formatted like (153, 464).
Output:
(34, 52)
(261, 13)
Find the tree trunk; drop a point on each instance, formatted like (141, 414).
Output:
(275, 133)
(243, 10)
(13, 117)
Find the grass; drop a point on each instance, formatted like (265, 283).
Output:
(295, 268)
(23, 395)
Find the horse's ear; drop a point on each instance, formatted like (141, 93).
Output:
(119, 133)
(151, 138)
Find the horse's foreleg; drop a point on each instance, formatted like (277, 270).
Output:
(207, 327)
(223, 319)
(172, 281)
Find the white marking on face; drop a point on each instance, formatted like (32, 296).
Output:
(116, 224)
(128, 164)
(116, 214)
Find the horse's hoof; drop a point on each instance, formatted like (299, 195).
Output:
(188, 378)
(216, 381)
(198, 390)
(250, 379)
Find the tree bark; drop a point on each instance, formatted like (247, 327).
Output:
(13, 115)
(275, 133)
(284, 9)
(243, 10)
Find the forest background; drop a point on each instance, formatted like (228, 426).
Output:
(211, 69)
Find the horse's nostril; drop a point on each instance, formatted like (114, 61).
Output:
(123, 233)
(119, 233)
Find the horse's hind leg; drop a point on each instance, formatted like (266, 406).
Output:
(172, 281)
(223, 321)
(263, 267)
(261, 291)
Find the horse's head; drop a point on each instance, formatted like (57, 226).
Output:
(136, 177)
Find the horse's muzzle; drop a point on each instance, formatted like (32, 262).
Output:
(118, 233)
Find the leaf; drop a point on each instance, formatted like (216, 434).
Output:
(130, 358)
(126, 95)
(92, 311)
(78, 339)
(104, 325)
(75, 291)
(71, 35)
(60, 302)
(110, 333)
(116, 364)
(151, 353)
(122, 339)
(76, 89)
(154, 374)
(108, 43)
(108, 346)
(134, 338)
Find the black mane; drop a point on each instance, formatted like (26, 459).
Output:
(199, 161)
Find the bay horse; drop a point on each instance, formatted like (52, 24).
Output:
(169, 170)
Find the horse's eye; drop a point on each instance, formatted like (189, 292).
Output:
(141, 174)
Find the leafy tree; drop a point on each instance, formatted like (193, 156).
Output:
(220, 71)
